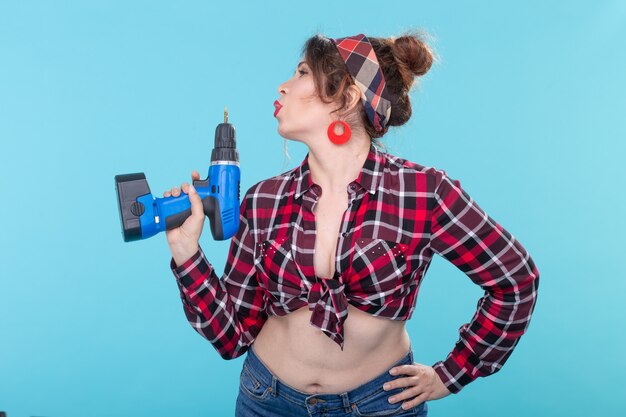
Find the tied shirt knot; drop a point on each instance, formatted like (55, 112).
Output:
(327, 300)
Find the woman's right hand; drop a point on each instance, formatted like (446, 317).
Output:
(183, 240)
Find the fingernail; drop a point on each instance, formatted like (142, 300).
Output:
(392, 372)
(386, 386)
(191, 188)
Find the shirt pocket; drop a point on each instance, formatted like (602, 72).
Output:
(274, 259)
(380, 266)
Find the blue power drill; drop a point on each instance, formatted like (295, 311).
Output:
(143, 216)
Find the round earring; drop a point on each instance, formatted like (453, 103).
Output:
(342, 138)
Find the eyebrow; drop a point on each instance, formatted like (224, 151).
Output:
(300, 63)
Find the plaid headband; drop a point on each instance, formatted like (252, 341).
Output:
(359, 56)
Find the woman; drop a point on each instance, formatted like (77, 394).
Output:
(325, 267)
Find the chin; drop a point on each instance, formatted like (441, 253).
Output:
(285, 133)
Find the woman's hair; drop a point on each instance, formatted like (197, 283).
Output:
(400, 58)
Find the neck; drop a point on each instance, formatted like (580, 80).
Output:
(333, 167)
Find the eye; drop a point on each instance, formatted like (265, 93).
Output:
(301, 72)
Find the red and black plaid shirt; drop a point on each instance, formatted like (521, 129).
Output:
(399, 214)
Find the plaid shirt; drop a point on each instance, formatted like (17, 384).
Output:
(399, 214)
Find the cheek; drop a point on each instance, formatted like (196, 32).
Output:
(307, 108)
(304, 90)
(313, 115)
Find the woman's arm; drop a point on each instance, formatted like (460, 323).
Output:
(494, 259)
(228, 312)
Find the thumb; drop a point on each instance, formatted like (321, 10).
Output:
(197, 210)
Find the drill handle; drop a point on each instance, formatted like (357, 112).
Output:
(220, 201)
(177, 218)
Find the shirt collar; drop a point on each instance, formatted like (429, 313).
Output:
(368, 178)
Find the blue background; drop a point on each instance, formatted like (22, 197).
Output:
(525, 107)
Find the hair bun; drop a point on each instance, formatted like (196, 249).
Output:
(413, 55)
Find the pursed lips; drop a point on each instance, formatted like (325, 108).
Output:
(277, 106)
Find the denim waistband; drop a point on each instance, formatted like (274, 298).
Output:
(264, 375)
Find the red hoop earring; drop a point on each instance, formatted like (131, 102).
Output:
(339, 139)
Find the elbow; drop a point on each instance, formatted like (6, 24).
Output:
(228, 355)
(533, 280)
(529, 284)
(522, 289)
(525, 298)
(534, 272)
(233, 351)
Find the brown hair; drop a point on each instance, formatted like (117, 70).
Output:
(400, 58)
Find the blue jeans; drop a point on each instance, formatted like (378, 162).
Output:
(262, 394)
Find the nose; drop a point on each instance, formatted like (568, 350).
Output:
(282, 88)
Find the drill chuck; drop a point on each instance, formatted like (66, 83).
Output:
(225, 144)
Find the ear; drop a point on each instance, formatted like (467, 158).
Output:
(354, 93)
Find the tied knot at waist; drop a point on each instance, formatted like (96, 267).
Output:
(327, 300)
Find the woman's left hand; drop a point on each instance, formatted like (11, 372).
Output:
(422, 381)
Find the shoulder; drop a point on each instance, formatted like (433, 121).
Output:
(426, 174)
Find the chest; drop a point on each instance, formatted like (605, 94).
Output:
(359, 239)
(329, 214)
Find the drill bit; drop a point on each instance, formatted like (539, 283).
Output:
(225, 115)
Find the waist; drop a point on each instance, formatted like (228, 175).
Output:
(306, 359)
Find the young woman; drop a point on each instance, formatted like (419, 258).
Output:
(324, 270)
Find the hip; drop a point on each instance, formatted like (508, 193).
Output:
(263, 393)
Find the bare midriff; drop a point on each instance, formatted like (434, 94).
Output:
(303, 357)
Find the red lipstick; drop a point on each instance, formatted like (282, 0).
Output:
(278, 107)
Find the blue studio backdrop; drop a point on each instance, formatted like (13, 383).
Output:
(525, 107)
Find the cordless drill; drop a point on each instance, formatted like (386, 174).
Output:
(143, 216)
